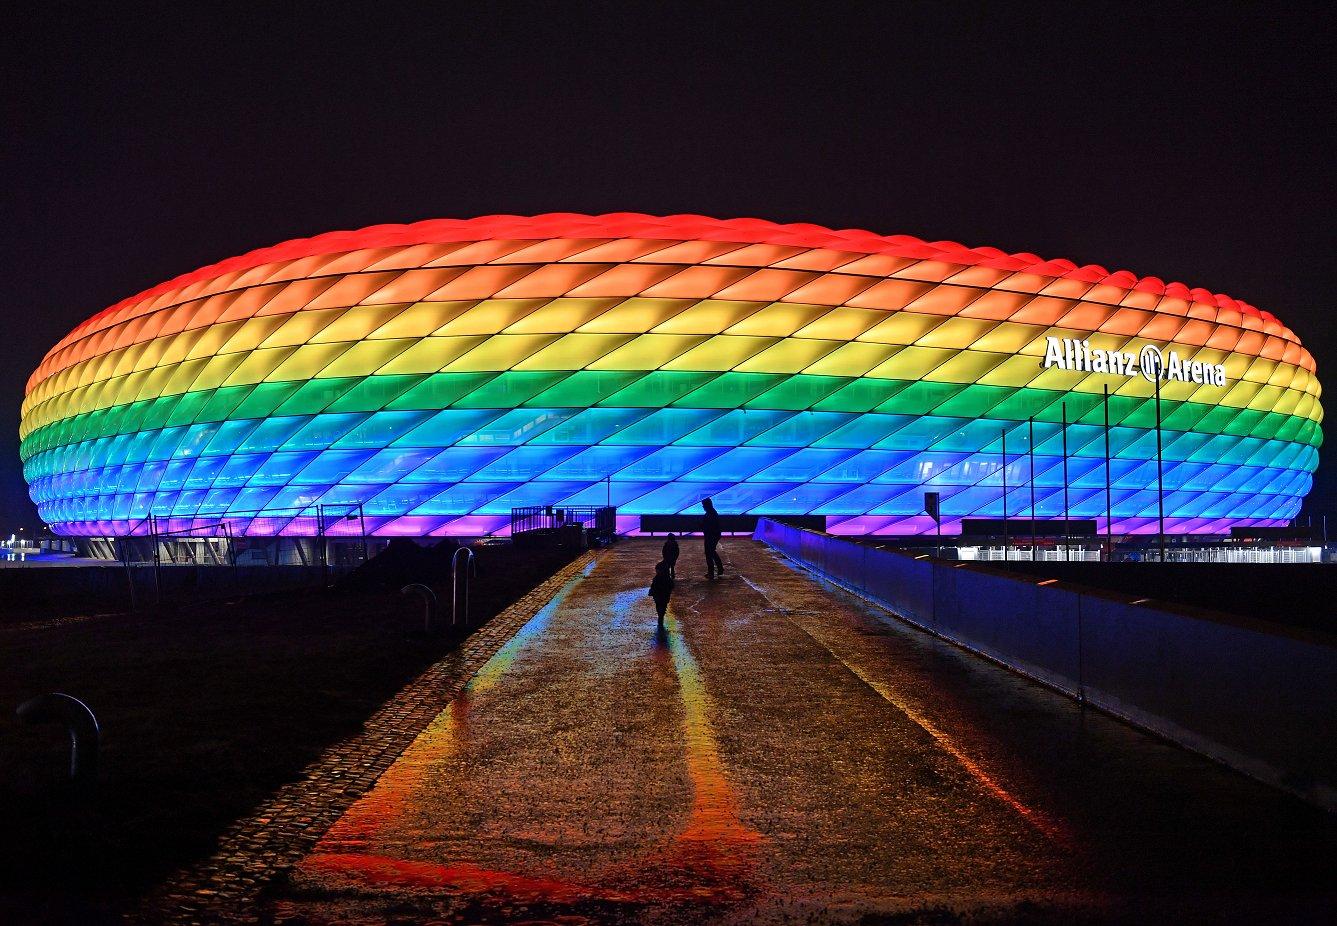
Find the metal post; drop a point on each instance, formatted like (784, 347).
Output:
(1067, 530)
(322, 547)
(1030, 443)
(157, 561)
(1109, 478)
(1006, 543)
(362, 525)
(82, 727)
(455, 583)
(1160, 476)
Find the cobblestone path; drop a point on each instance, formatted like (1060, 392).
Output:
(786, 753)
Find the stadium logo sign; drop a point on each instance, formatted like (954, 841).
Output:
(1151, 363)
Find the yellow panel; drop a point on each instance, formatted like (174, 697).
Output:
(779, 320)
(1270, 398)
(1007, 338)
(911, 363)
(252, 332)
(153, 352)
(853, 359)
(366, 357)
(959, 333)
(901, 328)
(357, 323)
(258, 364)
(841, 324)
(180, 345)
(722, 352)
(635, 316)
(421, 319)
(647, 352)
(789, 356)
(301, 327)
(561, 316)
(129, 358)
(490, 316)
(1014, 371)
(216, 370)
(161, 380)
(1260, 371)
(966, 367)
(709, 316)
(181, 376)
(1055, 379)
(500, 352)
(573, 351)
(431, 354)
(306, 361)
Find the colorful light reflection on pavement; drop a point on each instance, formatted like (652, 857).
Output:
(781, 753)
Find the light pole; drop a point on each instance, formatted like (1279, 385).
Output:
(1006, 542)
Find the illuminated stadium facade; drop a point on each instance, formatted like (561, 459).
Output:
(442, 373)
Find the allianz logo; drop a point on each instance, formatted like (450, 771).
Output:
(1151, 363)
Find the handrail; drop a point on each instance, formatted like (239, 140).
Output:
(81, 725)
(430, 604)
(469, 567)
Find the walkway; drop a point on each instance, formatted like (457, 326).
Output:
(786, 753)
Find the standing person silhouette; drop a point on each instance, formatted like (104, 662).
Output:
(661, 589)
(711, 529)
(671, 555)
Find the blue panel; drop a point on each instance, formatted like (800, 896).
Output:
(456, 463)
(321, 431)
(597, 462)
(389, 465)
(331, 466)
(380, 429)
(802, 429)
(864, 431)
(670, 463)
(675, 497)
(734, 428)
(664, 426)
(517, 427)
(465, 498)
(592, 426)
(271, 433)
(280, 468)
(737, 464)
(523, 463)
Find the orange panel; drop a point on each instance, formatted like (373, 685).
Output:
(550, 281)
(479, 283)
(351, 290)
(413, 285)
(624, 281)
(696, 282)
(766, 285)
(890, 295)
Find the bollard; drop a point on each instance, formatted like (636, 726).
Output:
(469, 567)
(82, 726)
(429, 604)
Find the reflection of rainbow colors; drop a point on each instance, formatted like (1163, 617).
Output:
(442, 373)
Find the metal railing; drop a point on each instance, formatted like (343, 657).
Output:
(598, 521)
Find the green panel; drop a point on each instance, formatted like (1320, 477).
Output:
(730, 390)
(800, 391)
(264, 399)
(188, 407)
(222, 402)
(510, 389)
(975, 401)
(584, 388)
(658, 389)
(862, 395)
(439, 390)
(315, 395)
(919, 398)
(375, 393)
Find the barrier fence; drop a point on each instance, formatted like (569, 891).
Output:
(1253, 696)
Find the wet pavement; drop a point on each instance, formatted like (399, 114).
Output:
(786, 753)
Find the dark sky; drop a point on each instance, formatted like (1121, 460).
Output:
(139, 145)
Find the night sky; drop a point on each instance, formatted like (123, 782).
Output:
(141, 145)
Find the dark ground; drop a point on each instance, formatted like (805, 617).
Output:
(786, 753)
(204, 711)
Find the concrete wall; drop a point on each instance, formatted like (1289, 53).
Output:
(1257, 697)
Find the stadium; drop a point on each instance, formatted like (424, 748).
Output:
(435, 376)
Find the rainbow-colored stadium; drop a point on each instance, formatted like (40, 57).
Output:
(442, 373)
